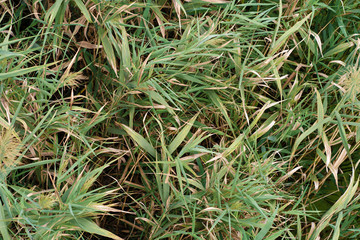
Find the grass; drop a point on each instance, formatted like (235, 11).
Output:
(179, 119)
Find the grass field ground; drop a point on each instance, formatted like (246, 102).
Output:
(192, 119)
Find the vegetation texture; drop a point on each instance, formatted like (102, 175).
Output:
(195, 119)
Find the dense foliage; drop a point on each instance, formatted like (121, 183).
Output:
(179, 119)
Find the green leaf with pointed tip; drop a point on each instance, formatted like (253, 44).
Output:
(140, 140)
(336, 234)
(343, 134)
(23, 71)
(3, 226)
(307, 133)
(338, 49)
(91, 227)
(108, 48)
(277, 45)
(181, 136)
(218, 103)
(83, 10)
(267, 227)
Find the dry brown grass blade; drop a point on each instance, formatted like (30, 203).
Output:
(289, 174)
(87, 45)
(161, 25)
(10, 147)
(177, 7)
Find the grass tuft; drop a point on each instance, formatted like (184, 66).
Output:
(179, 119)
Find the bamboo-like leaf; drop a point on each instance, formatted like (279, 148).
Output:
(307, 133)
(267, 227)
(83, 10)
(218, 103)
(181, 135)
(3, 224)
(338, 49)
(342, 133)
(278, 44)
(140, 140)
(336, 233)
(23, 71)
(91, 227)
(125, 50)
(160, 99)
(53, 11)
(108, 48)
(264, 128)
(340, 204)
(321, 115)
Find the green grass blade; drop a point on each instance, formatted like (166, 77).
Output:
(140, 140)
(3, 226)
(269, 222)
(181, 135)
(336, 233)
(281, 41)
(83, 10)
(91, 227)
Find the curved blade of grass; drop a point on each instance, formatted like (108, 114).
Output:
(91, 227)
(83, 9)
(140, 140)
(23, 71)
(53, 11)
(158, 98)
(340, 204)
(218, 103)
(267, 227)
(343, 134)
(8, 54)
(125, 50)
(336, 234)
(181, 136)
(264, 128)
(3, 226)
(259, 114)
(278, 44)
(307, 133)
(110, 55)
(338, 49)
(321, 113)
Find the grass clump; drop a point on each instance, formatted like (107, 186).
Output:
(179, 119)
